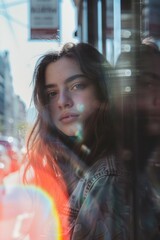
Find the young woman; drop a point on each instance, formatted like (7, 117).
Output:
(138, 114)
(72, 102)
(72, 148)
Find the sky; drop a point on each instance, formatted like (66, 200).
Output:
(23, 52)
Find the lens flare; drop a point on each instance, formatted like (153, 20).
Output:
(31, 211)
(80, 107)
(79, 132)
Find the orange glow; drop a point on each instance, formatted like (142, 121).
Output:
(33, 210)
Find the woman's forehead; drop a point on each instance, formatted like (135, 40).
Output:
(62, 66)
(151, 64)
(61, 70)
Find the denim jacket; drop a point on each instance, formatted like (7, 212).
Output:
(96, 205)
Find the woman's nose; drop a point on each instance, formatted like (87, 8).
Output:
(157, 100)
(65, 99)
(156, 96)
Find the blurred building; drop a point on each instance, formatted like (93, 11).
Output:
(12, 108)
(8, 97)
(2, 94)
(20, 124)
(113, 26)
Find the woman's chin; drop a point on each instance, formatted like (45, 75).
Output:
(68, 132)
(153, 129)
(75, 131)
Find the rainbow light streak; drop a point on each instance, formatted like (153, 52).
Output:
(15, 204)
(78, 133)
(80, 107)
(54, 212)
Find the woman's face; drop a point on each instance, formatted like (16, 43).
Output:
(148, 102)
(72, 97)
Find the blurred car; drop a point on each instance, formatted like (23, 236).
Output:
(5, 162)
(13, 152)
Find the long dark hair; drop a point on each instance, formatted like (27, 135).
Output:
(139, 62)
(45, 139)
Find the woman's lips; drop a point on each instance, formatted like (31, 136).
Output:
(67, 118)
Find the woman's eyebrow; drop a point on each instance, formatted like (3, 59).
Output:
(68, 80)
(51, 85)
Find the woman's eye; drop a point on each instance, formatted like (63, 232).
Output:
(51, 95)
(78, 86)
(148, 84)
